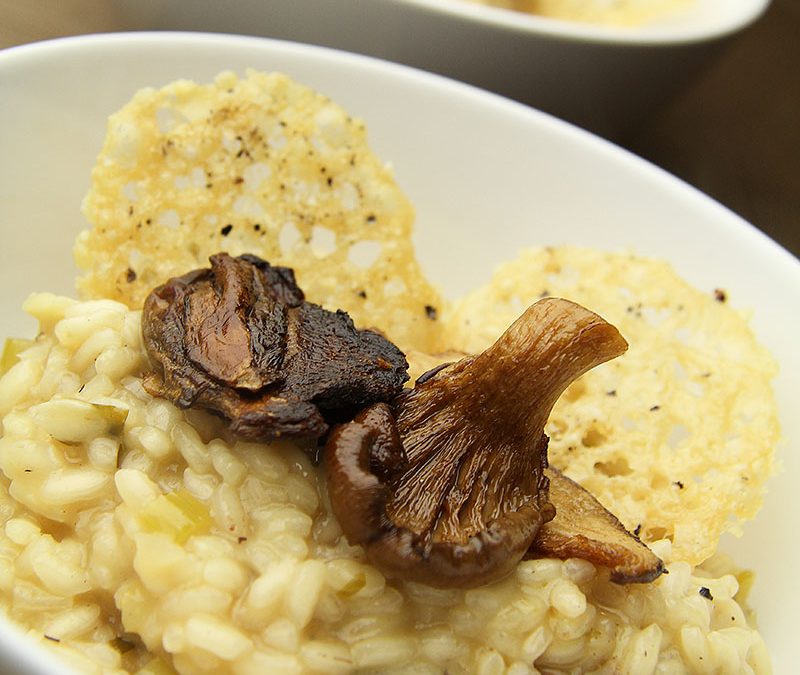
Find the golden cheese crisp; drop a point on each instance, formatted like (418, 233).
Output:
(257, 165)
(676, 436)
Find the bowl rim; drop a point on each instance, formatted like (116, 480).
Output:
(571, 31)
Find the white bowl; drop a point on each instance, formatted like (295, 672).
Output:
(489, 173)
(602, 78)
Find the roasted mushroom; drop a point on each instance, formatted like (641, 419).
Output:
(446, 485)
(240, 340)
(583, 528)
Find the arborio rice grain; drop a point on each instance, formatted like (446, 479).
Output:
(135, 537)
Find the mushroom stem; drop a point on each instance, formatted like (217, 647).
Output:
(486, 415)
(469, 492)
(552, 344)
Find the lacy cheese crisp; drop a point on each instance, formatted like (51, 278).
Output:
(258, 165)
(676, 436)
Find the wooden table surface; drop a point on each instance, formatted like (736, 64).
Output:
(734, 132)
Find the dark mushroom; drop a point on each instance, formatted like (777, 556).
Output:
(240, 340)
(447, 484)
(583, 528)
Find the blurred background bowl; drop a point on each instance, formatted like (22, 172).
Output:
(603, 78)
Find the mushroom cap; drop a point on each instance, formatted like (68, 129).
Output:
(240, 340)
(584, 528)
(446, 485)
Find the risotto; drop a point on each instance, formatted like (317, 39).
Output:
(138, 537)
(134, 533)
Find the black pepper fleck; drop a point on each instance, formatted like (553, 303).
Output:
(362, 294)
(637, 530)
(720, 295)
(706, 593)
(256, 227)
(679, 484)
(430, 312)
(51, 638)
(653, 408)
(130, 275)
(611, 392)
(371, 218)
(225, 231)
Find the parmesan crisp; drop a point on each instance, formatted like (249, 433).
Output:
(676, 436)
(258, 165)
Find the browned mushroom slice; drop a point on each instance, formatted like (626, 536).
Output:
(240, 340)
(583, 528)
(447, 486)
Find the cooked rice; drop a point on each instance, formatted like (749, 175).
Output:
(139, 534)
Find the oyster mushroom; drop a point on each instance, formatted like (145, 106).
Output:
(240, 340)
(583, 528)
(446, 485)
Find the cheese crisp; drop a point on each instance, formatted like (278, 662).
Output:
(258, 165)
(676, 436)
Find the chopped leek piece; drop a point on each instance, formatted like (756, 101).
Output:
(71, 420)
(177, 514)
(114, 415)
(12, 348)
(354, 585)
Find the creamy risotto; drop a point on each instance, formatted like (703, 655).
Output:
(133, 532)
(138, 537)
